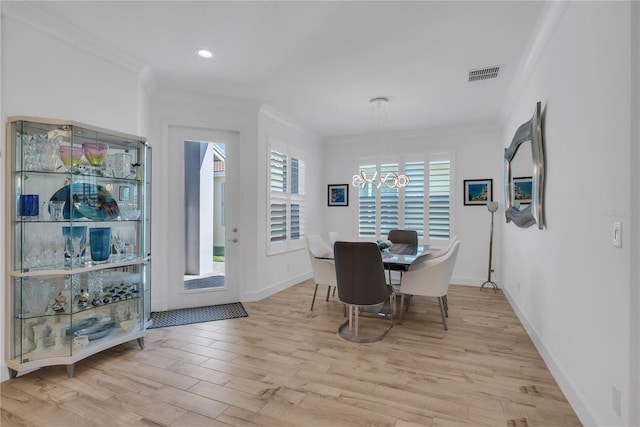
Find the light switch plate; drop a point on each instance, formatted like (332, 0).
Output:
(617, 234)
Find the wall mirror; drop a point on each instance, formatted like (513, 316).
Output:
(524, 174)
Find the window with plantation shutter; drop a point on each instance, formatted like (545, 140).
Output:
(389, 209)
(423, 205)
(439, 199)
(367, 206)
(414, 198)
(286, 200)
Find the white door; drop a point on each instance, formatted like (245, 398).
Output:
(179, 295)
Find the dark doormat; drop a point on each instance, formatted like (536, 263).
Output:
(186, 316)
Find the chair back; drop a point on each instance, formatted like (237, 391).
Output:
(403, 236)
(431, 277)
(317, 247)
(324, 271)
(334, 236)
(446, 249)
(360, 273)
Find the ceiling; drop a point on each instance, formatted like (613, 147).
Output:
(321, 62)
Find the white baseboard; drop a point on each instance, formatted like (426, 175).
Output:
(469, 281)
(259, 294)
(5, 372)
(577, 401)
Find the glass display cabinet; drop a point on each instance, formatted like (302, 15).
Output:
(78, 242)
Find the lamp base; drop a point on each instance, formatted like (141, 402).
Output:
(492, 283)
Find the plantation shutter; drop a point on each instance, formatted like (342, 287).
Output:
(367, 206)
(389, 210)
(414, 198)
(439, 199)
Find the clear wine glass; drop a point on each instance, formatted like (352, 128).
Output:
(128, 236)
(118, 243)
(78, 248)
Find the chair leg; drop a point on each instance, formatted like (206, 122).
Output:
(328, 292)
(401, 309)
(350, 329)
(313, 301)
(444, 319)
(445, 301)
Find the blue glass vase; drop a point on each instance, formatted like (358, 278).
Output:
(100, 243)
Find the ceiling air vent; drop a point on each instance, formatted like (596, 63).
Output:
(484, 73)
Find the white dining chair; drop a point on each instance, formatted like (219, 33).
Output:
(439, 251)
(322, 264)
(334, 236)
(430, 277)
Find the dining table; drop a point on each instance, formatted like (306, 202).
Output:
(400, 256)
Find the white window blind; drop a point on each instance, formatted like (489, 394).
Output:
(367, 212)
(286, 200)
(389, 199)
(414, 198)
(439, 199)
(423, 205)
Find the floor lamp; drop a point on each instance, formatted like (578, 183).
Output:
(492, 207)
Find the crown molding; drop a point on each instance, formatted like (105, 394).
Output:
(29, 14)
(288, 121)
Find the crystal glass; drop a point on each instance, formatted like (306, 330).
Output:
(48, 153)
(74, 244)
(118, 165)
(56, 208)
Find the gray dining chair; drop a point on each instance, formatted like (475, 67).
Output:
(430, 277)
(409, 237)
(362, 286)
(322, 265)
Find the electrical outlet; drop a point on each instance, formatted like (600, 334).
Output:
(615, 399)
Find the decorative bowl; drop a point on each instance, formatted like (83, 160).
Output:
(81, 325)
(71, 156)
(95, 152)
(97, 331)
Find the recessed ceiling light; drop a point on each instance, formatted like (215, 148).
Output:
(204, 53)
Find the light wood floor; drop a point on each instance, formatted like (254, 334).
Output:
(285, 365)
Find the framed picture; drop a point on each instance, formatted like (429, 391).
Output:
(478, 191)
(124, 194)
(523, 189)
(338, 194)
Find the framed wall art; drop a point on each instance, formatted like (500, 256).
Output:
(338, 194)
(478, 191)
(523, 189)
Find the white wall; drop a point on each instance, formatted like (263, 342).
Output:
(570, 286)
(44, 76)
(477, 154)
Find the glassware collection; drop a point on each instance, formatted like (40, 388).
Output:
(79, 267)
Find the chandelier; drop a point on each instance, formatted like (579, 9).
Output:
(377, 179)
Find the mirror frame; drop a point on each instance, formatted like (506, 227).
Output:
(534, 213)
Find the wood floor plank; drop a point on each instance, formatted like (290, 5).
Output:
(285, 365)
